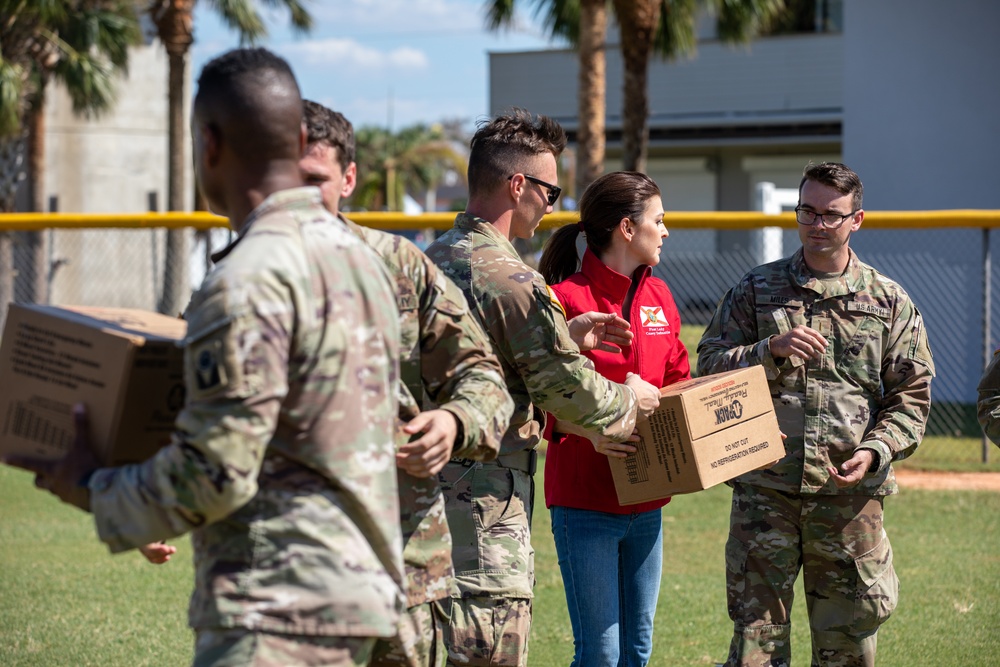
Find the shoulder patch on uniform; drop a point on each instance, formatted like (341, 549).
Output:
(868, 308)
(209, 369)
(555, 299)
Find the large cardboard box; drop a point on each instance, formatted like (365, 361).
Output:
(707, 430)
(125, 365)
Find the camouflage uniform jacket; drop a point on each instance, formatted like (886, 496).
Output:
(444, 357)
(542, 366)
(870, 389)
(283, 459)
(989, 400)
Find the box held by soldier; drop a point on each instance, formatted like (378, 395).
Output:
(707, 430)
(125, 365)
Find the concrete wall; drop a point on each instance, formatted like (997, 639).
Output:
(921, 96)
(111, 164)
(781, 79)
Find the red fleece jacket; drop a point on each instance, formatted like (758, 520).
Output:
(576, 475)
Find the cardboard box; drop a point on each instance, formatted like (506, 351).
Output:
(125, 365)
(707, 430)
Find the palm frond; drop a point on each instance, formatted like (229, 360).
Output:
(12, 79)
(243, 17)
(676, 33)
(299, 16)
(740, 20)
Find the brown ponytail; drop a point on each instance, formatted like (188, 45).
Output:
(605, 202)
(559, 259)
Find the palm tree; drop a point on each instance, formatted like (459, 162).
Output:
(84, 45)
(584, 23)
(667, 28)
(391, 165)
(663, 27)
(174, 21)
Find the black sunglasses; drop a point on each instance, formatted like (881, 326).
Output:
(554, 190)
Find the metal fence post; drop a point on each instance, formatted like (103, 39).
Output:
(987, 312)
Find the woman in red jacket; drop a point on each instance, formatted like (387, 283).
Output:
(611, 555)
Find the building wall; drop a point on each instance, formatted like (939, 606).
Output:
(113, 163)
(920, 127)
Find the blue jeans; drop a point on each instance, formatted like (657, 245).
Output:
(611, 566)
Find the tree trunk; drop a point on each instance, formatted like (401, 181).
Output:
(36, 285)
(638, 20)
(175, 263)
(592, 97)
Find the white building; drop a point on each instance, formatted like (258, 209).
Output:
(903, 91)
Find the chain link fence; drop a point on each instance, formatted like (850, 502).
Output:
(942, 269)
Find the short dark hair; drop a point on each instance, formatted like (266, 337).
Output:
(231, 97)
(502, 146)
(613, 196)
(325, 124)
(840, 177)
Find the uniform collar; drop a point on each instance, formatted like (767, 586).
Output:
(470, 223)
(284, 200)
(605, 279)
(851, 281)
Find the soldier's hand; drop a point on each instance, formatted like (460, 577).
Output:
(425, 456)
(157, 553)
(600, 331)
(64, 477)
(648, 395)
(853, 469)
(612, 449)
(802, 342)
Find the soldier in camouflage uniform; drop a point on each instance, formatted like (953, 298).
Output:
(849, 367)
(282, 464)
(444, 359)
(512, 171)
(989, 400)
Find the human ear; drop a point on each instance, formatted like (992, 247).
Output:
(350, 180)
(627, 228)
(211, 144)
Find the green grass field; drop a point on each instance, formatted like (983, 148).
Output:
(64, 601)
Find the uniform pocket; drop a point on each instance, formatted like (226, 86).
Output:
(492, 493)
(878, 587)
(736, 565)
(861, 358)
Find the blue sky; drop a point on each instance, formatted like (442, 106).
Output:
(386, 61)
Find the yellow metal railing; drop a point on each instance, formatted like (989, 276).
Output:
(200, 220)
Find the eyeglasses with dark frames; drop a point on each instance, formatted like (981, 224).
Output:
(554, 190)
(809, 218)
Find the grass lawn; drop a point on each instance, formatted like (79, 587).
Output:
(65, 601)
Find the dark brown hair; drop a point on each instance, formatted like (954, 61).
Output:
(504, 145)
(620, 194)
(323, 124)
(837, 176)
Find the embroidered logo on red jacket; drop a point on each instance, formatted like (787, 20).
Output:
(652, 316)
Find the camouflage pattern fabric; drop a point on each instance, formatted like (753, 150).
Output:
(544, 372)
(420, 642)
(851, 586)
(444, 361)
(488, 632)
(489, 511)
(283, 461)
(870, 389)
(989, 400)
(229, 647)
(542, 365)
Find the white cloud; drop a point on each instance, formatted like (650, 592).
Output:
(349, 56)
